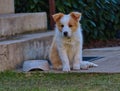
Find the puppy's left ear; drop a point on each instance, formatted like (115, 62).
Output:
(76, 15)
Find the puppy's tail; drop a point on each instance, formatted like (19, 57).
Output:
(87, 64)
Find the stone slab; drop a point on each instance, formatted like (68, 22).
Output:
(26, 47)
(110, 63)
(12, 24)
(6, 6)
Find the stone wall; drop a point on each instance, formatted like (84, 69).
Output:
(6, 6)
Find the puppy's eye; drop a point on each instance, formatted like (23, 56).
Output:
(70, 25)
(62, 25)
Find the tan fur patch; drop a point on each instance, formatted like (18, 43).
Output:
(54, 56)
(75, 16)
(73, 24)
(57, 16)
(59, 25)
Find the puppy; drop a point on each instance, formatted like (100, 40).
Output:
(66, 49)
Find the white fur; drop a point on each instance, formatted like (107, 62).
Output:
(70, 49)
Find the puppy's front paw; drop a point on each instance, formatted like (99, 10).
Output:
(76, 66)
(66, 68)
(85, 65)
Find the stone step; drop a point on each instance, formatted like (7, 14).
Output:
(15, 51)
(12, 24)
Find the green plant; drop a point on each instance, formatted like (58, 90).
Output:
(31, 6)
(100, 18)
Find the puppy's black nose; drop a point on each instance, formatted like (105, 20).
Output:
(65, 34)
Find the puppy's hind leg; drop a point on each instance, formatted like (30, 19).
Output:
(54, 57)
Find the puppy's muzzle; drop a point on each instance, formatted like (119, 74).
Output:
(65, 34)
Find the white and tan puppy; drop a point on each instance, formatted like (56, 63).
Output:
(66, 49)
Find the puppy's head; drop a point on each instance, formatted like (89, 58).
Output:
(67, 24)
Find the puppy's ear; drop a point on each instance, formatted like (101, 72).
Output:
(57, 16)
(76, 15)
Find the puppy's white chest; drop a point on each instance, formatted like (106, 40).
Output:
(68, 42)
(70, 46)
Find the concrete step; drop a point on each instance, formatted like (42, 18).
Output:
(12, 24)
(15, 51)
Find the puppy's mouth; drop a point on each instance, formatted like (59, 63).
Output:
(67, 37)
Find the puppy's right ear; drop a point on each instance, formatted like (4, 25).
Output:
(57, 16)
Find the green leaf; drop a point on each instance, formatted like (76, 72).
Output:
(35, 1)
(93, 24)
